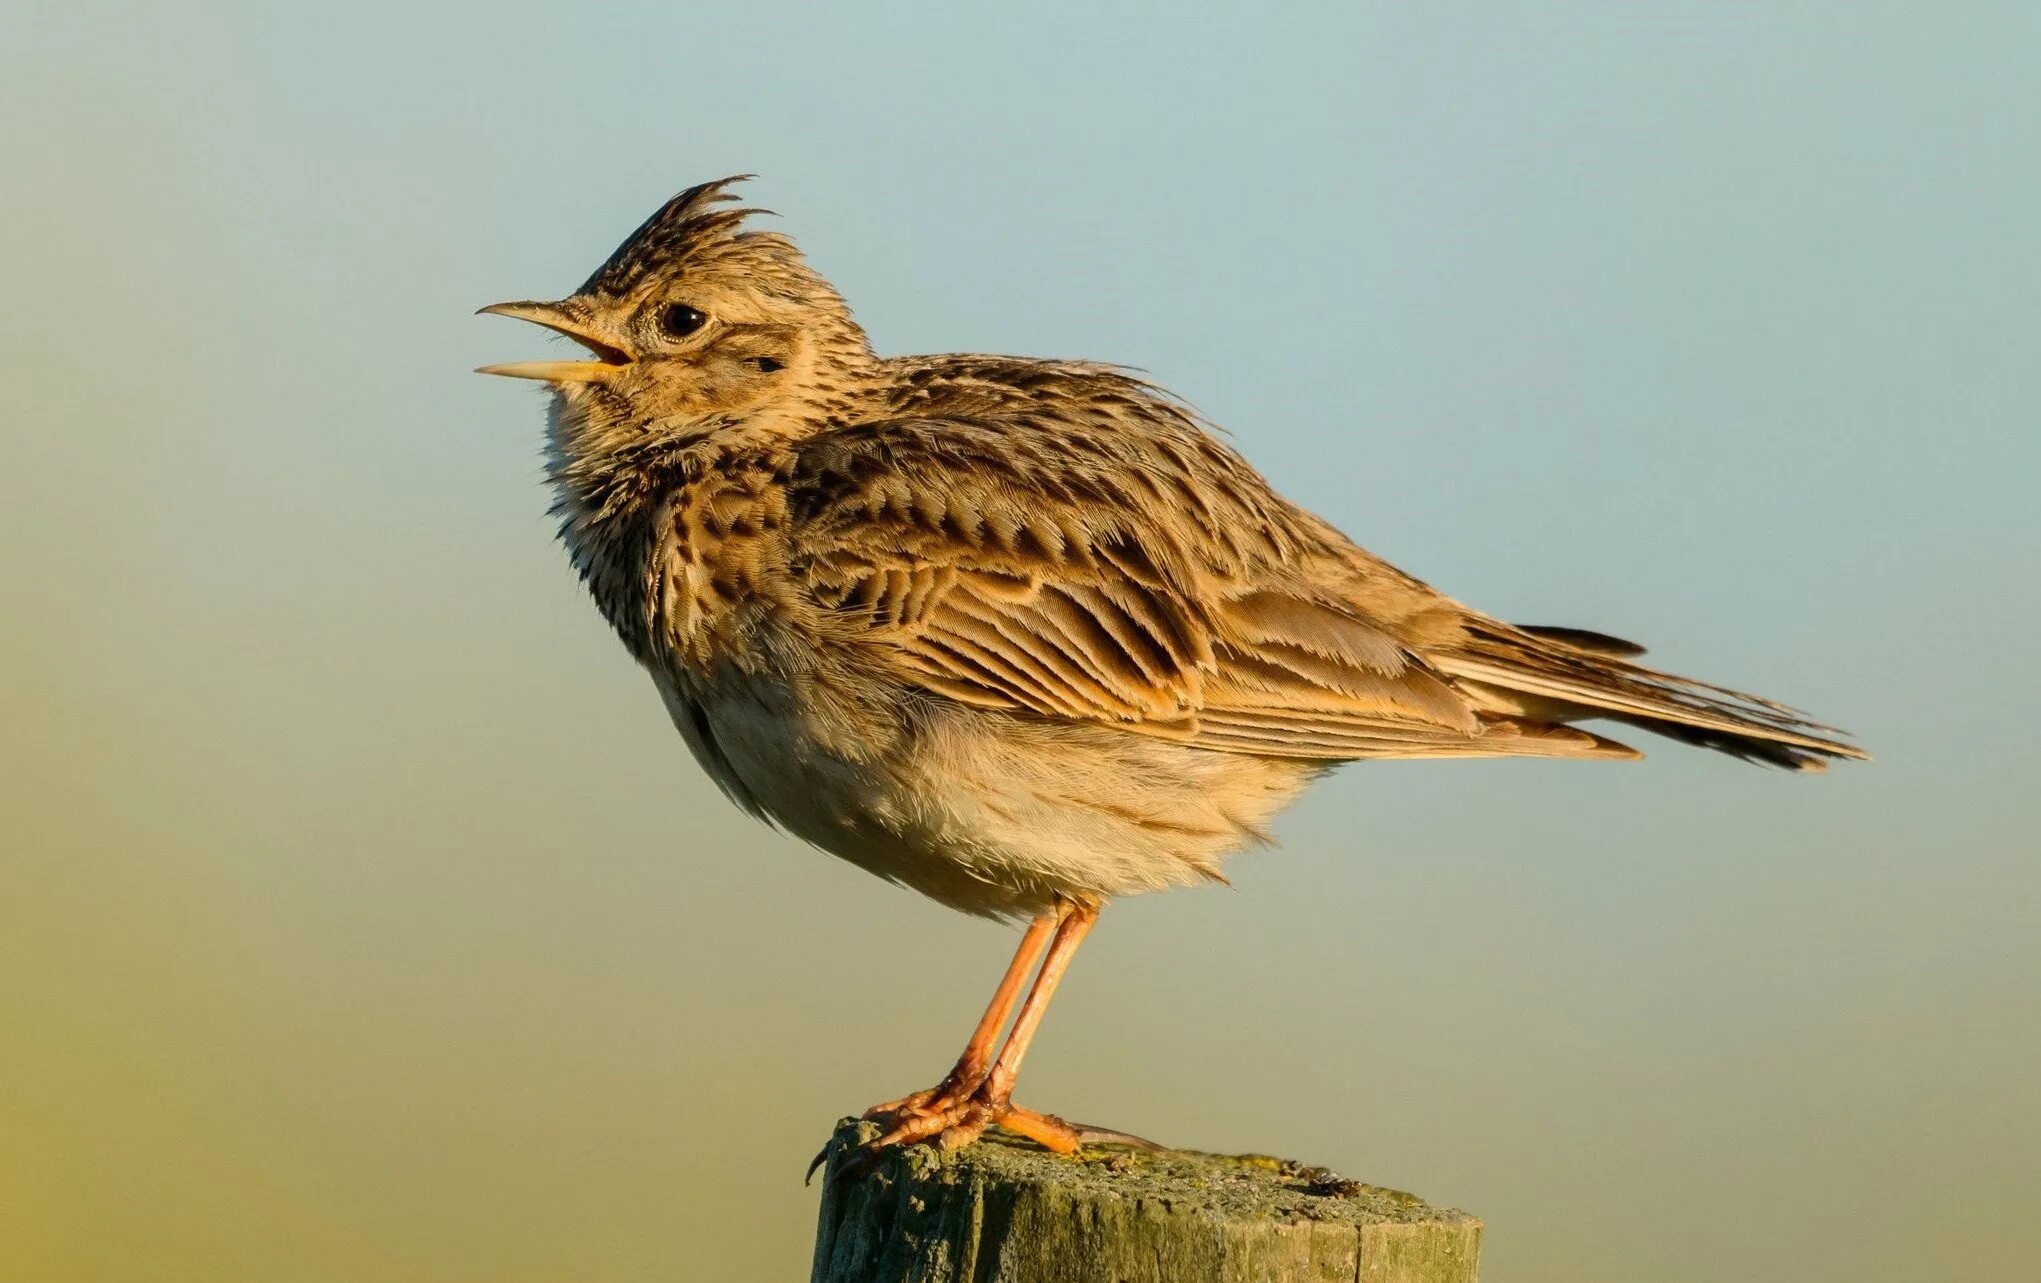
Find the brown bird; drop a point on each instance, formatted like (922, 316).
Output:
(1022, 635)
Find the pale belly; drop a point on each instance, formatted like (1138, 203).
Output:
(987, 814)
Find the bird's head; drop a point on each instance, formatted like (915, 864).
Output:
(693, 322)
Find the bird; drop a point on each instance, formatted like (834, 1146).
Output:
(1024, 635)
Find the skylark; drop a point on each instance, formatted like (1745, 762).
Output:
(1019, 634)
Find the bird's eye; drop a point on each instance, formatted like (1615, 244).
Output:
(679, 320)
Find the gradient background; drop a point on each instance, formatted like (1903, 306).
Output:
(362, 918)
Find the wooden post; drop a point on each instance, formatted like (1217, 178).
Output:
(1003, 1211)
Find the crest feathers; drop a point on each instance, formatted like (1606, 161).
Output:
(690, 226)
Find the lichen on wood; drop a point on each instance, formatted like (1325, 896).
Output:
(1004, 1211)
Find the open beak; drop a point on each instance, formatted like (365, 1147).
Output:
(609, 361)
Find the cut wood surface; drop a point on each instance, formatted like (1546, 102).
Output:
(1004, 1211)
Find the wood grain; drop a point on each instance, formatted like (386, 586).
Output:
(1002, 1211)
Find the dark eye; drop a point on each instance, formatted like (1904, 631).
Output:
(679, 320)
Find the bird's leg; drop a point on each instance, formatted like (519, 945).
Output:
(992, 1100)
(976, 1062)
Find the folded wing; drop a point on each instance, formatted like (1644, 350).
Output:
(1147, 582)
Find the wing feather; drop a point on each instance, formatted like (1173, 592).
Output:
(1162, 593)
(1066, 542)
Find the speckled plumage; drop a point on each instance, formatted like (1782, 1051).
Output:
(1005, 630)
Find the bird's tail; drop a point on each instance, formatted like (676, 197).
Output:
(1567, 674)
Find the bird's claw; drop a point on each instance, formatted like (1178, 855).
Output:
(815, 1164)
(952, 1126)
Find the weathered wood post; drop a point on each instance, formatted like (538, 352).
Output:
(1003, 1211)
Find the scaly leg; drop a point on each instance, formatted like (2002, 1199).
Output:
(976, 1062)
(991, 1102)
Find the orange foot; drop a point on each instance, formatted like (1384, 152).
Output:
(953, 1125)
(943, 1098)
(957, 1124)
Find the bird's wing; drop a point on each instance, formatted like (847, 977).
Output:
(1143, 577)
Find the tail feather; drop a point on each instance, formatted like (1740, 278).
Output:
(1546, 675)
(1584, 639)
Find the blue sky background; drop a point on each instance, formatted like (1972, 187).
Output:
(360, 916)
